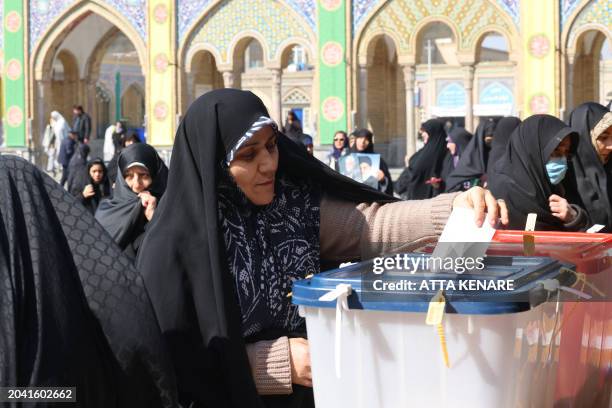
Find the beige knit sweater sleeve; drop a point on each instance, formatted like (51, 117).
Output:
(352, 231)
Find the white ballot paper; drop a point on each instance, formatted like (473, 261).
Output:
(462, 238)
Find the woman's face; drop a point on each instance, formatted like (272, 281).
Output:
(362, 143)
(338, 141)
(563, 149)
(603, 145)
(451, 146)
(254, 166)
(138, 179)
(96, 172)
(425, 136)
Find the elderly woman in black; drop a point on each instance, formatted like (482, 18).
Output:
(247, 212)
(140, 183)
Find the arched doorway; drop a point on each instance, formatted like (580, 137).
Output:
(441, 92)
(90, 58)
(385, 93)
(586, 81)
(297, 76)
(203, 77)
(494, 77)
(64, 83)
(248, 64)
(132, 106)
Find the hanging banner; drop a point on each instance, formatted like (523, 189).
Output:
(162, 72)
(540, 70)
(332, 68)
(13, 74)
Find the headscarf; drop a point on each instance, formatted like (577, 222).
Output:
(294, 130)
(123, 215)
(501, 136)
(461, 138)
(335, 152)
(593, 178)
(424, 164)
(473, 163)
(74, 312)
(184, 257)
(102, 190)
(109, 146)
(77, 166)
(520, 177)
(388, 189)
(60, 126)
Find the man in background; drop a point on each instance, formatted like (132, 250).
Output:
(81, 124)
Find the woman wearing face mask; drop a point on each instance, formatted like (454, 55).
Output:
(422, 177)
(471, 170)
(339, 148)
(140, 184)
(591, 168)
(529, 175)
(248, 212)
(364, 144)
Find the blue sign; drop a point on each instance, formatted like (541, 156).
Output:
(451, 96)
(496, 94)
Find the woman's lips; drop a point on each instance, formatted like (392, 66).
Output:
(266, 183)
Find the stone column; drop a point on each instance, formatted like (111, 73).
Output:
(409, 74)
(42, 116)
(190, 91)
(569, 81)
(468, 83)
(90, 101)
(228, 78)
(363, 96)
(277, 109)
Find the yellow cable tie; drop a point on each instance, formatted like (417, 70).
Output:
(443, 345)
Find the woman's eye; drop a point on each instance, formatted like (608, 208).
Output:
(271, 146)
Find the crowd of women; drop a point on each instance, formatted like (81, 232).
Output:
(559, 171)
(178, 291)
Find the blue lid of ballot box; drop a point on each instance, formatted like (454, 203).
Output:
(525, 273)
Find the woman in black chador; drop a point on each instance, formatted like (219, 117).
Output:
(591, 167)
(246, 213)
(422, 178)
(471, 170)
(140, 184)
(531, 176)
(73, 312)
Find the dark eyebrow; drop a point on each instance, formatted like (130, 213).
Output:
(250, 143)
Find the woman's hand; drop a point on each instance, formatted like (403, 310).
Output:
(381, 175)
(88, 191)
(560, 208)
(483, 202)
(301, 373)
(149, 202)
